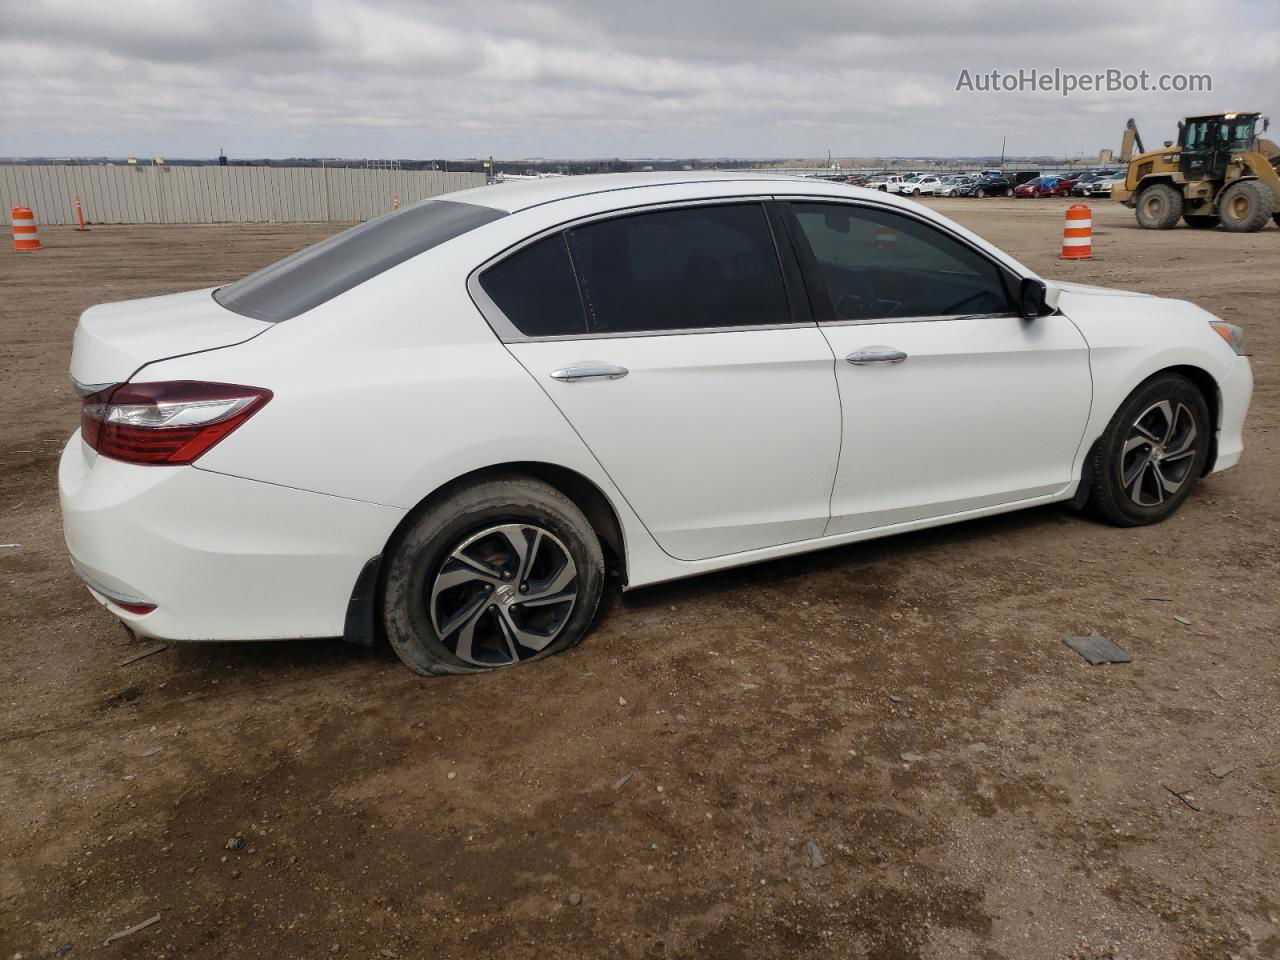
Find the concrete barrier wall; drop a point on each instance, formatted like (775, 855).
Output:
(165, 194)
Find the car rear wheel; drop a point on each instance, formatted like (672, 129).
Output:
(1008, 191)
(498, 573)
(1151, 454)
(980, 193)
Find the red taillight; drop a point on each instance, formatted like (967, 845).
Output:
(171, 422)
(139, 609)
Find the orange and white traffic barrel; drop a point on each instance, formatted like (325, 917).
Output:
(1077, 233)
(25, 234)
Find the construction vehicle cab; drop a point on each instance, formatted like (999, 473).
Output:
(1220, 170)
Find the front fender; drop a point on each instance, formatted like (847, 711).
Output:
(1131, 337)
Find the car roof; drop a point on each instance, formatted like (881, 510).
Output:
(513, 197)
(535, 205)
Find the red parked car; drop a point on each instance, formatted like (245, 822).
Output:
(1029, 189)
(1061, 188)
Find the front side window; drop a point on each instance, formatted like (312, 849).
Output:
(881, 265)
(680, 269)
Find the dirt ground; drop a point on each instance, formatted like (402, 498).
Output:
(972, 787)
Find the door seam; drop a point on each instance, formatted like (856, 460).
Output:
(835, 474)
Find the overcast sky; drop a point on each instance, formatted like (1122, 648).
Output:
(597, 78)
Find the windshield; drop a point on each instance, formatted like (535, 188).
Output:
(324, 270)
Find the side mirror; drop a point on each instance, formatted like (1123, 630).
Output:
(1031, 299)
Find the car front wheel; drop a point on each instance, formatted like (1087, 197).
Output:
(1151, 454)
(492, 575)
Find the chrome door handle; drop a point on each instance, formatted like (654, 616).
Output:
(590, 371)
(876, 355)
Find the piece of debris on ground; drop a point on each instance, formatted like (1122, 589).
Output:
(1098, 650)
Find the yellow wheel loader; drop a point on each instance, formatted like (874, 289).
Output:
(1220, 171)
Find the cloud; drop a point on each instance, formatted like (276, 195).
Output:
(579, 78)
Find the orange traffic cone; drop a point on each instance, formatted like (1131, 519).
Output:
(25, 234)
(1077, 233)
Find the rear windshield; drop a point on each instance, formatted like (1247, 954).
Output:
(322, 271)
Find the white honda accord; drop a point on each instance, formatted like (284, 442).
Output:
(447, 424)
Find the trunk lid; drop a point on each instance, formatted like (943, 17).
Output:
(113, 340)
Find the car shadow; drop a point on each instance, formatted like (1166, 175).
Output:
(882, 550)
(335, 656)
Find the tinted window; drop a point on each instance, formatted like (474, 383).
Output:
(535, 288)
(706, 266)
(879, 265)
(322, 271)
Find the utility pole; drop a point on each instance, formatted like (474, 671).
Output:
(1003, 141)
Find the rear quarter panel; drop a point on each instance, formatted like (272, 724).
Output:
(383, 393)
(395, 388)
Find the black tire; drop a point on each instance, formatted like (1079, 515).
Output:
(1276, 218)
(1008, 191)
(1245, 206)
(1159, 207)
(882, 188)
(1114, 494)
(1200, 221)
(980, 193)
(417, 560)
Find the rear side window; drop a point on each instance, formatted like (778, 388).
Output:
(682, 269)
(535, 289)
(324, 270)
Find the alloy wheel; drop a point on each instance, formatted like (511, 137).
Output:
(1158, 454)
(503, 594)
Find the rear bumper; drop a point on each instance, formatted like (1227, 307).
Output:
(1237, 391)
(222, 558)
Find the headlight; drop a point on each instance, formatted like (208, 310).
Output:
(1230, 333)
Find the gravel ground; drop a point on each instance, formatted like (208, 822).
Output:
(878, 751)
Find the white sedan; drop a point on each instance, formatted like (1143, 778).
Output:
(925, 184)
(445, 425)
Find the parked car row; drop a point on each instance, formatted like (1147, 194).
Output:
(1098, 184)
(991, 183)
(988, 183)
